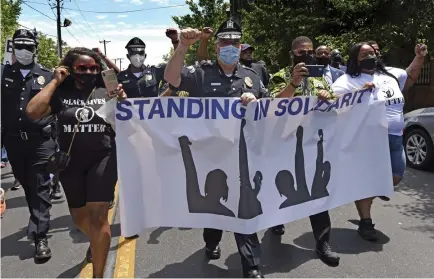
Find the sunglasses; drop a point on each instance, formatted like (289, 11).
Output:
(84, 68)
(26, 47)
(134, 52)
(301, 52)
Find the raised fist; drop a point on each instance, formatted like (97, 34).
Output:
(190, 36)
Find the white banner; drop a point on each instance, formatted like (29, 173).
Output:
(212, 163)
(7, 58)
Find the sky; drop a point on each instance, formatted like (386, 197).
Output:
(118, 28)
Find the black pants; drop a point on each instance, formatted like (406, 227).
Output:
(28, 159)
(248, 246)
(321, 226)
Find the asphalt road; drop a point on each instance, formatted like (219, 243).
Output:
(406, 249)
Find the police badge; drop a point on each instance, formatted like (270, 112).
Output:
(41, 80)
(148, 77)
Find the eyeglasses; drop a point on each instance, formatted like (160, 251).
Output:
(84, 68)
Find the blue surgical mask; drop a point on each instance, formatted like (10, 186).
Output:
(229, 55)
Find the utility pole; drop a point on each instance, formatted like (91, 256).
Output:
(104, 42)
(59, 32)
(120, 63)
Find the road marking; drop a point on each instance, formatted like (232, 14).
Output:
(86, 268)
(125, 258)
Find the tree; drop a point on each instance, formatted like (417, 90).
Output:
(166, 57)
(47, 51)
(10, 11)
(206, 13)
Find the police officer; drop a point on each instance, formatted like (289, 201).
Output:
(225, 78)
(139, 80)
(28, 143)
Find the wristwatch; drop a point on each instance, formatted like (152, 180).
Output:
(293, 85)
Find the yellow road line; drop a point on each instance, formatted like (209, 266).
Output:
(86, 268)
(125, 258)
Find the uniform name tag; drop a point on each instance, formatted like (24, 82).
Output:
(125, 81)
(8, 79)
(216, 84)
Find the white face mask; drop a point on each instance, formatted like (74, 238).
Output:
(24, 56)
(137, 60)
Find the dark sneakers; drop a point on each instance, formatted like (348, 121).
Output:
(326, 254)
(42, 251)
(366, 230)
(16, 186)
(278, 230)
(213, 253)
(56, 192)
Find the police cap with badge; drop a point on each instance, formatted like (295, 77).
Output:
(229, 30)
(135, 45)
(25, 37)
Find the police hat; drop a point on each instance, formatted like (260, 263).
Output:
(24, 37)
(229, 30)
(247, 46)
(135, 44)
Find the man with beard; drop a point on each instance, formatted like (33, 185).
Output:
(331, 74)
(293, 81)
(224, 78)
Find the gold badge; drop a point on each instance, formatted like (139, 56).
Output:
(41, 80)
(248, 82)
(182, 93)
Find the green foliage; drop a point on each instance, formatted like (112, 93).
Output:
(166, 57)
(47, 52)
(206, 13)
(10, 11)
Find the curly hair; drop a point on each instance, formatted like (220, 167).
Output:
(353, 68)
(72, 55)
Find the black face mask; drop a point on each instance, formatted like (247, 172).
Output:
(246, 62)
(306, 59)
(86, 80)
(337, 59)
(369, 63)
(323, 61)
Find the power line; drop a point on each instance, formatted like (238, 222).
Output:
(37, 31)
(38, 11)
(79, 26)
(117, 12)
(75, 2)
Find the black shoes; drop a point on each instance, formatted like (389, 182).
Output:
(278, 230)
(16, 186)
(253, 273)
(42, 251)
(366, 230)
(326, 254)
(213, 253)
(56, 192)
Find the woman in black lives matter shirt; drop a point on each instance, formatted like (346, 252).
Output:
(75, 93)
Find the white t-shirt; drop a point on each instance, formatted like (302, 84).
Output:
(388, 89)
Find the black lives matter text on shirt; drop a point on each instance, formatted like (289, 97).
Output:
(76, 113)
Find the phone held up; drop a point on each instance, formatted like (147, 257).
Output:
(110, 80)
(315, 70)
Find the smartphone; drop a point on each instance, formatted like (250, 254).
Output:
(110, 80)
(315, 70)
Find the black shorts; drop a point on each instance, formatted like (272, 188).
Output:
(91, 178)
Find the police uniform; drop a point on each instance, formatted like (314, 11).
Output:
(28, 143)
(145, 84)
(209, 80)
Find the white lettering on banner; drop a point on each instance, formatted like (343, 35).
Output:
(212, 163)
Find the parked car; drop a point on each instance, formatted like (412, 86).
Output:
(419, 137)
